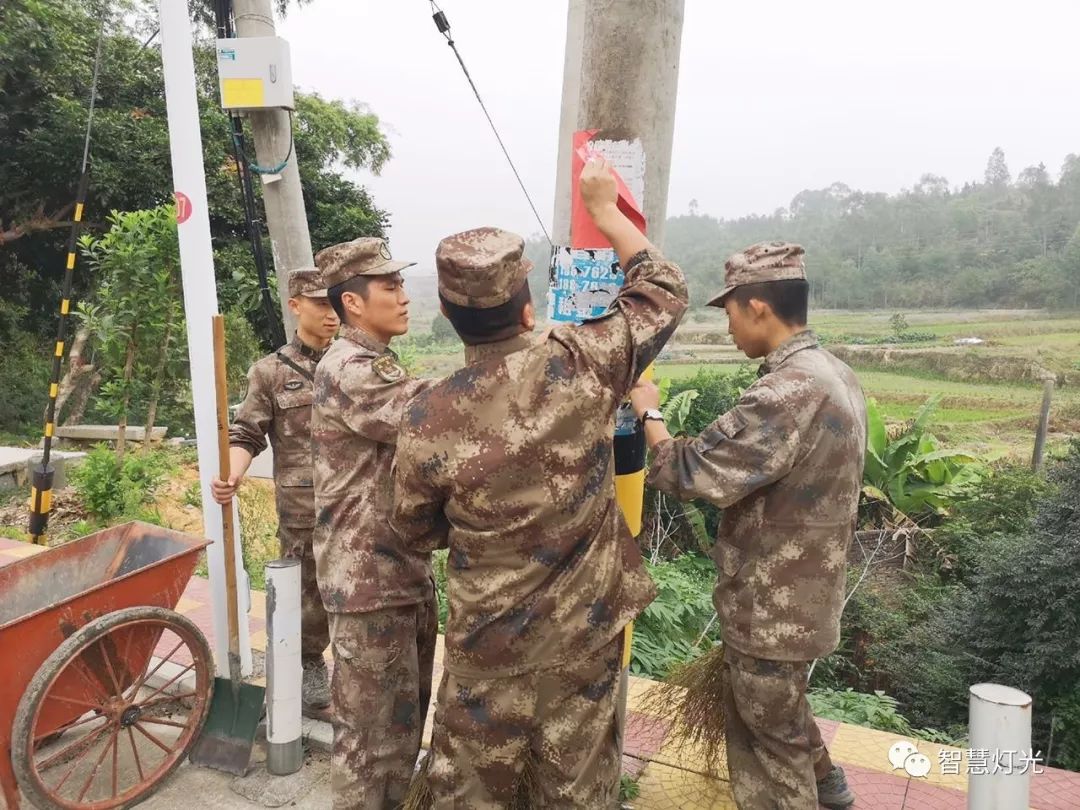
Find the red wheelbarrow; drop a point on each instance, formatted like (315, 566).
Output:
(103, 685)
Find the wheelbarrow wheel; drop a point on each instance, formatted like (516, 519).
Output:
(128, 693)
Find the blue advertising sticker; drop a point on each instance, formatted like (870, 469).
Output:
(582, 283)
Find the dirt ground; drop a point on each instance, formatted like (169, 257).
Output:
(67, 510)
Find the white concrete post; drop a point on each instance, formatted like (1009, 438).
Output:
(200, 301)
(999, 723)
(284, 670)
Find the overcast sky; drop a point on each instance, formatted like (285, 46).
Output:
(774, 96)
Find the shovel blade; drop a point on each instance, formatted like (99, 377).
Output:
(229, 734)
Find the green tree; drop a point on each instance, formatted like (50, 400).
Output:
(139, 318)
(441, 328)
(1070, 269)
(997, 243)
(1015, 622)
(997, 171)
(46, 59)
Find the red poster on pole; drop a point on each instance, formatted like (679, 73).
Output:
(583, 233)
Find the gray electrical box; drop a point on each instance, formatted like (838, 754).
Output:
(255, 73)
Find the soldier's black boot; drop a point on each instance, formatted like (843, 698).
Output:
(833, 791)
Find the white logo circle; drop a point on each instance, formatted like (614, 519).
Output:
(899, 753)
(917, 765)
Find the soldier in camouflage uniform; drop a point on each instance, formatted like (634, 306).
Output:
(510, 461)
(278, 406)
(380, 595)
(785, 465)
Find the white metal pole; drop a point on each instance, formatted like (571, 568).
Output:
(200, 297)
(284, 670)
(999, 727)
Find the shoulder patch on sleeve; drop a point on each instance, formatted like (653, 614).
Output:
(388, 368)
(728, 426)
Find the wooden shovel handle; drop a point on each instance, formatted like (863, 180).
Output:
(221, 390)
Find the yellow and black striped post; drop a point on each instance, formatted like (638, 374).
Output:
(41, 480)
(42, 476)
(630, 490)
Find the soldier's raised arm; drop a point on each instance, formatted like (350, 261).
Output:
(418, 516)
(621, 343)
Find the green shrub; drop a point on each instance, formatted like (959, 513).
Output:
(1002, 504)
(873, 710)
(669, 630)
(442, 330)
(847, 339)
(15, 533)
(80, 528)
(193, 495)
(629, 789)
(24, 375)
(259, 542)
(911, 472)
(110, 490)
(876, 610)
(716, 394)
(1015, 622)
(438, 566)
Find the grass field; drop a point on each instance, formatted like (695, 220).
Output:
(989, 415)
(985, 415)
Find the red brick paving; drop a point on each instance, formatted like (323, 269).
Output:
(1055, 790)
(644, 735)
(924, 796)
(875, 790)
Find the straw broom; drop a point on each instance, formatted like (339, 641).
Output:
(693, 694)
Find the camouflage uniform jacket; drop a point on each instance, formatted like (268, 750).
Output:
(360, 391)
(786, 465)
(510, 461)
(278, 405)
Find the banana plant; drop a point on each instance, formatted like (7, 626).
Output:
(911, 471)
(676, 410)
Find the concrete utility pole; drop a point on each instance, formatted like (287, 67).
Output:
(621, 76)
(286, 219)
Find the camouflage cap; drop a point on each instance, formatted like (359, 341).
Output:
(481, 268)
(366, 256)
(307, 281)
(765, 261)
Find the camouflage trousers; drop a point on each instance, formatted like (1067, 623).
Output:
(774, 747)
(380, 692)
(314, 625)
(563, 719)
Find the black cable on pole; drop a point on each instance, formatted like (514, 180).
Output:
(41, 482)
(254, 230)
(226, 29)
(443, 26)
